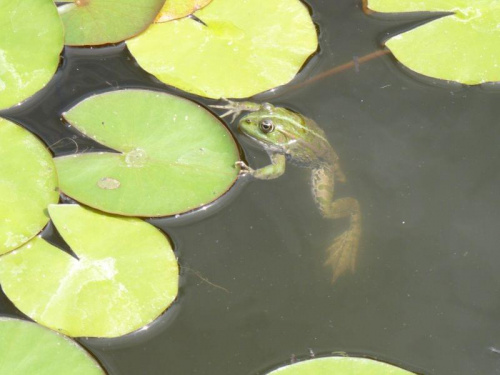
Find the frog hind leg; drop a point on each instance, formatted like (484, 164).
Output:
(343, 250)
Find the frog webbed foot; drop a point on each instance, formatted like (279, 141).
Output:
(342, 254)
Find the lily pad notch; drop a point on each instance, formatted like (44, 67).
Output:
(174, 155)
(461, 46)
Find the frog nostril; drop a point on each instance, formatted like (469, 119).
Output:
(248, 121)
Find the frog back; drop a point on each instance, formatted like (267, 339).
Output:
(313, 148)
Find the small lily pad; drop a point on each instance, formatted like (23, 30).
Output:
(340, 366)
(174, 155)
(95, 22)
(243, 47)
(31, 40)
(460, 47)
(28, 184)
(29, 349)
(175, 9)
(125, 276)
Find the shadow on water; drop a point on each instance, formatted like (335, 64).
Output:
(421, 157)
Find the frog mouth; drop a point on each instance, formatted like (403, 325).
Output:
(268, 146)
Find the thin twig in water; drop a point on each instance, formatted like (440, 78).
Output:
(354, 63)
(206, 280)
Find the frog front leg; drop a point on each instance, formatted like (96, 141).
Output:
(343, 250)
(234, 109)
(269, 172)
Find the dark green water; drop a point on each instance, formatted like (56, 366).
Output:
(421, 156)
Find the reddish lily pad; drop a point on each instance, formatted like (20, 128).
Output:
(125, 276)
(242, 47)
(31, 40)
(340, 366)
(29, 349)
(175, 9)
(95, 22)
(28, 184)
(174, 156)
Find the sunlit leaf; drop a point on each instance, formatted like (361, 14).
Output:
(31, 39)
(29, 349)
(174, 9)
(174, 155)
(94, 22)
(28, 184)
(460, 47)
(245, 48)
(340, 366)
(125, 277)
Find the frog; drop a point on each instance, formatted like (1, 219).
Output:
(288, 136)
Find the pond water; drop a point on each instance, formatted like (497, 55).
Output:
(422, 158)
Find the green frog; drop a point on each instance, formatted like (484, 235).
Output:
(289, 136)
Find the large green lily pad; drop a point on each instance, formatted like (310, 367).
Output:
(175, 9)
(31, 40)
(95, 22)
(29, 349)
(174, 155)
(460, 47)
(125, 277)
(28, 184)
(245, 47)
(340, 366)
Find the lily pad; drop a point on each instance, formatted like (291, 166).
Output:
(95, 22)
(340, 366)
(175, 9)
(243, 47)
(31, 40)
(460, 47)
(28, 184)
(174, 156)
(125, 276)
(29, 349)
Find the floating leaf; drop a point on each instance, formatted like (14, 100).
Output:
(340, 366)
(125, 276)
(174, 9)
(460, 47)
(245, 48)
(31, 39)
(94, 22)
(28, 184)
(174, 155)
(29, 349)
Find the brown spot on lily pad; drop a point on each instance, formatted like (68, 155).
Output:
(108, 183)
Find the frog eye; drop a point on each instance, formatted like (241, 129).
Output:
(266, 125)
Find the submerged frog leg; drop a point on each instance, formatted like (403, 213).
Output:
(235, 108)
(342, 252)
(337, 171)
(271, 171)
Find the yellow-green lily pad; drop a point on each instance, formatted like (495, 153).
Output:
(29, 349)
(462, 46)
(28, 184)
(340, 366)
(243, 47)
(125, 276)
(31, 40)
(96, 22)
(175, 9)
(174, 156)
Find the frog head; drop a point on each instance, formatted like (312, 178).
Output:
(273, 127)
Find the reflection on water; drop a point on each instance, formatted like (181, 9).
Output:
(421, 157)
